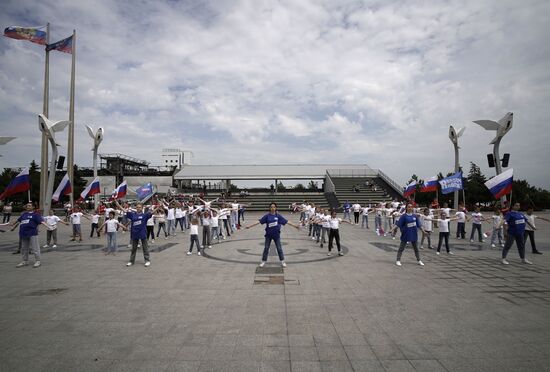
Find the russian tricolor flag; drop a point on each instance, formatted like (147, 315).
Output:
(64, 188)
(410, 189)
(429, 185)
(92, 189)
(120, 191)
(502, 184)
(21, 183)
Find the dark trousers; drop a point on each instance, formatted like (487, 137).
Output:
(94, 228)
(356, 217)
(531, 235)
(267, 244)
(461, 230)
(151, 232)
(402, 248)
(162, 226)
(226, 225)
(181, 222)
(206, 235)
(194, 239)
(6, 217)
(443, 236)
(520, 242)
(135, 247)
(476, 226)
(334, 234)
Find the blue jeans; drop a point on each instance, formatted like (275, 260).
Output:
(267, 244)
(111, 242)
(365, 221)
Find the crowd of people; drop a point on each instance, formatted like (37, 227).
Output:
(216, 220)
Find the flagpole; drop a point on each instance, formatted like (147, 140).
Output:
(45, 110)
(70, 145)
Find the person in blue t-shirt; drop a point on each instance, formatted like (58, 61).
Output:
(516, 229)
(409, 223)
(138, 231)
(273, 221)
(28, 234)
(347, 208)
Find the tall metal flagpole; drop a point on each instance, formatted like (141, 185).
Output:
(45, 110)
(70, 145)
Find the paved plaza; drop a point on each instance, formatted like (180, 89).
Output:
(84, 311)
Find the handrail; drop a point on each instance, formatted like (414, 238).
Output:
(329, 185)
(392, 183)
(362, 172)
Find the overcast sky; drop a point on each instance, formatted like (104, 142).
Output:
(271, 82)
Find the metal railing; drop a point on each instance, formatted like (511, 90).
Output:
(329, 185)
(362, 172)
(398, 188)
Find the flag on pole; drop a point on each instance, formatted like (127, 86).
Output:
(120, 191)
(65, 45)
(145, 192)
(64, 188)
(451, 183)
(410, 189)
(430, 185)
(92, 189)
(32, 34)
(501, 184)
(21, 183)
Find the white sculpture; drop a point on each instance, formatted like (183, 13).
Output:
(98, 138)
(453, 136)
(49, 128)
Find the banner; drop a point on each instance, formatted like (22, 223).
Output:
(502, 184)
(451, 183)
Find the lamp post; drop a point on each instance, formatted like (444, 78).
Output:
(502, 127)
(97, 137)
(49, 128)
(453, 136)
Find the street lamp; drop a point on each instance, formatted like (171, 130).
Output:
(453, 136)
(49, 128)
(97, 137)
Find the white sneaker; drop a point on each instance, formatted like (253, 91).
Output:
(421, 247)
(283, 263)
(421, 263)
(165, 238)
(329, 254)
(148, 263)
(525, 261)
(209, 246)
(153, 241)
(493, 246)
(199, 253)
(54, 246)
(393, 238)
(451, 253)
(21, 264)
(202, 246)
(45, 246)
(36, 264)
(504, 262)
(471, 240)
(130, 245)
(129, 264)
(437, 253)
(340, 253)
(262, 264)
(398, 263)
(189, 253)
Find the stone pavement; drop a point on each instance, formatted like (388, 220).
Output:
(83, 311)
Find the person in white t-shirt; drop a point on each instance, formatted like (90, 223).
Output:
(356, 208)
(334, 233)
(325, 226)
(194, 235)
(214, 225)
(477, 218)
(75, 219)
(461, 219)
(112, 226)
(206, 230)
(151, 228)
(497, 228)
(365, 216)
(427, 227)
(530, 228)
(52, 220)
(95, 225)
(444, 223)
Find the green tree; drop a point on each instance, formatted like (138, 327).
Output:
(475, 189)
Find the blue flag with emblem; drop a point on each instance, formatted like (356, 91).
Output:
(145, 192)
(451, 183)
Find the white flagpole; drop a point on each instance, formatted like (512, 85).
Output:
(70, 145)
(45, 111)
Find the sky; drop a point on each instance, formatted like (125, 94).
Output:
(287, 82)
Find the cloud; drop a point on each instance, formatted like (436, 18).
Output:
(284, 81)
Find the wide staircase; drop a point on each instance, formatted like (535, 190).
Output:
(355, 189)
(260, 201)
